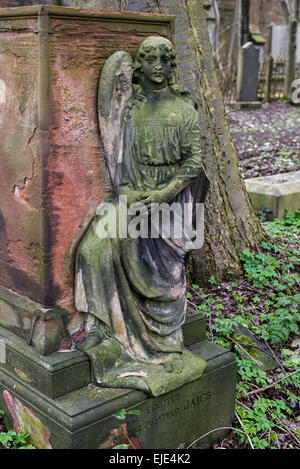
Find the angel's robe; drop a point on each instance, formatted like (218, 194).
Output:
(137, 287)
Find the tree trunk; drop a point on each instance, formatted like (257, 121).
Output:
(231, 225)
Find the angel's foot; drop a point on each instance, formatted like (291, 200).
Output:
(174, 365)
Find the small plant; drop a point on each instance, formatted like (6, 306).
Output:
(212, 280)
(13, 440)
(121, 415)
(263, 213)
(247, 374)
(17, 440)
(262, 420)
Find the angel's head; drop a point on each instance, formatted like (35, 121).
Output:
(155, 62)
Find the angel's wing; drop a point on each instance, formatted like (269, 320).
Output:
(115, 88)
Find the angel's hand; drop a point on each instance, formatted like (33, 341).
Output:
(133, 195)
(157, 196)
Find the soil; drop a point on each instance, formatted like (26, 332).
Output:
(267, 140)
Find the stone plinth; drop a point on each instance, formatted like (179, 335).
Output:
(278, 193)
(51, 398)
(52, 170)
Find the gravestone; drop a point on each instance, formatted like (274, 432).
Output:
(52, 178)
(247, 78)
(279, 46)
(277, 193)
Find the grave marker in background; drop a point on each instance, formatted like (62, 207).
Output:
(247, 78)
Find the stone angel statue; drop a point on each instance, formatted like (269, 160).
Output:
(133, 288)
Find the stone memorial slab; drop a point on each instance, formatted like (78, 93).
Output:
(247, 78)
(278, 193)
(83, 418)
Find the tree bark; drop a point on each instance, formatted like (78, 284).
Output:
(231, 225)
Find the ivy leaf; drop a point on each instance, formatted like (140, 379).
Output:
(6, 437)
(134, 412)
(120, 415)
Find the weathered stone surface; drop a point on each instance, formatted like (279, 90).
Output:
(54, 375)
(20, 215)
(83, 418)
(52, 172)
(254, 348)
(42, 327)
(278, 193)
(25, 318)
(25, 419)
(194, 328)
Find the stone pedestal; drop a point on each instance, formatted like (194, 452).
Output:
(51, 398)
(277, 193)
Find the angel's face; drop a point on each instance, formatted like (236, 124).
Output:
(156, 66)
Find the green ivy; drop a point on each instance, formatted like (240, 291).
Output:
(272, 315)
(260, 420)
(19, 440)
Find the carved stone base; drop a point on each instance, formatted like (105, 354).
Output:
(42, 327)
(50, 397)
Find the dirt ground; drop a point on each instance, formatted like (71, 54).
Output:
(267, 140)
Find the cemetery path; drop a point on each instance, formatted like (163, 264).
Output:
(267, 140)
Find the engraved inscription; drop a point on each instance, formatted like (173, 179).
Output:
(167, 409)
(165, 416)
(197, 400)
(163, 403)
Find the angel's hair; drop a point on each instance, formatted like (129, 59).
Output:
(146, 46)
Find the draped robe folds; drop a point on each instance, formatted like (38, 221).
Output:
(136, 287)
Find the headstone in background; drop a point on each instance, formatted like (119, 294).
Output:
(277, 193)
(291, 59)
(247, 78)
(279, 47)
